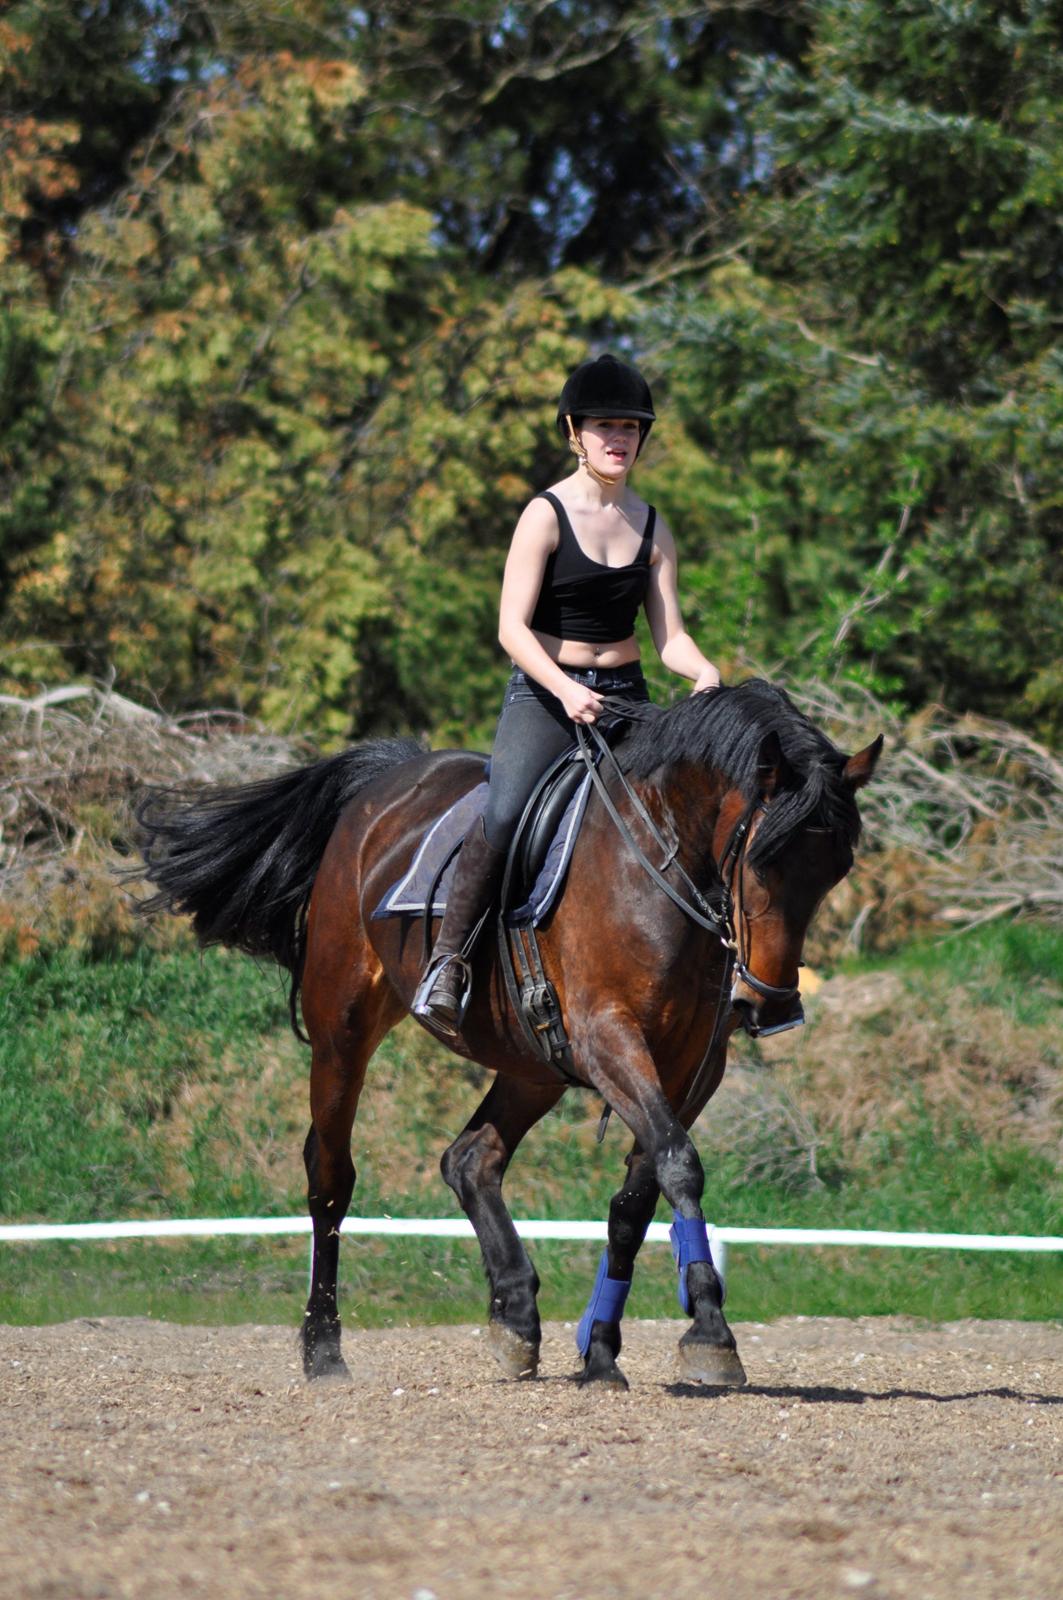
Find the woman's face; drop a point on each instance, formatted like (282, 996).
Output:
(610, 443)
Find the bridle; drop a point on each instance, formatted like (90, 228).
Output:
(728, 921)
(730, 867)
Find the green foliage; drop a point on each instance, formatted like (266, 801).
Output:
(270, 457)
(1016, 967)
(287, 293)
(870, 394)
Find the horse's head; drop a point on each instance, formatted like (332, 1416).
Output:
(777, 803)
(779, 855)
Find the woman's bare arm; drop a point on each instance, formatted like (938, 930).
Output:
(674, 645)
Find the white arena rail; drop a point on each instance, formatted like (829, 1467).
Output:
(459, 1228)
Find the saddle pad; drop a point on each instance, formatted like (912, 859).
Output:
(413, 888)
(408, 895)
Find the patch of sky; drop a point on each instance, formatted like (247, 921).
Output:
(156, 59)
(674, 45)
(566, 208)
(511, 24)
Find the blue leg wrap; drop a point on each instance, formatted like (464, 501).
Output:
(606, 1303)
(690, 1242)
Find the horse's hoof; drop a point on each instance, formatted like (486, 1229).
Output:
(712, 1364)
(517, 1357)
(324, 1365)
(609, 1377)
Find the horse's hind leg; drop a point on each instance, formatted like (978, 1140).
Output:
(474, 1167)
(336, 1084)
(341, 1053)
(630, 1214)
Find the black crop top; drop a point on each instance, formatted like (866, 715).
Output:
(583, 600)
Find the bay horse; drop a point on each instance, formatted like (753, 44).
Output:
(758, 810)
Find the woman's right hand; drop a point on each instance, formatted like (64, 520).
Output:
(581, 704)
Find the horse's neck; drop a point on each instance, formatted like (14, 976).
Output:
(692, 798)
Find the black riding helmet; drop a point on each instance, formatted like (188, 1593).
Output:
(606, 387)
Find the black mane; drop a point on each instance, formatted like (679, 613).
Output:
(723, 730)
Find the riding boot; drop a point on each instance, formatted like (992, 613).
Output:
(443, 995)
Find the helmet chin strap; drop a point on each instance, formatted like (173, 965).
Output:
(575, 445)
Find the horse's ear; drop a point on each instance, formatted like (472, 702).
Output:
(860, 768)
(772, 766)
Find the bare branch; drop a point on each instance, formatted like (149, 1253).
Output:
(846, 355)
(867, 599)
(961, 838)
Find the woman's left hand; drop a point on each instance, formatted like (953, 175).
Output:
(708, 679)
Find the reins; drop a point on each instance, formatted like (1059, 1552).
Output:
(727, 923)
(701, 911)
(718, 923)
(531, 994)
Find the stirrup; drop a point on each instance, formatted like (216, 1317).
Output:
(447, 1024)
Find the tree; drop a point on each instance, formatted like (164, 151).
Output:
(871, 395)
(306, 269)
(278, 424)
(289, 290)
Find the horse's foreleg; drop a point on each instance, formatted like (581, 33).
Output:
(703, 1354)
(474, 1167)
(630, 1213)
(707, 1351)
(623, 1070)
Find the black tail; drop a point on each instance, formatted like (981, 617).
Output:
(241, 861)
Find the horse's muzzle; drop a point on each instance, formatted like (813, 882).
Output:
(762, 1010)
(762, 1015)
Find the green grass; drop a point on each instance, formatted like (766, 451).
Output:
(95, 1059)
(1014, 966)
(397, 1283)
(168, 1085)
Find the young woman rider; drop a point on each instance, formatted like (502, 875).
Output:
(585, 556)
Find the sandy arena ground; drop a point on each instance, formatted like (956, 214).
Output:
(871, 1458)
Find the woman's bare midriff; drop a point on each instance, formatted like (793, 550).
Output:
(575, 653)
